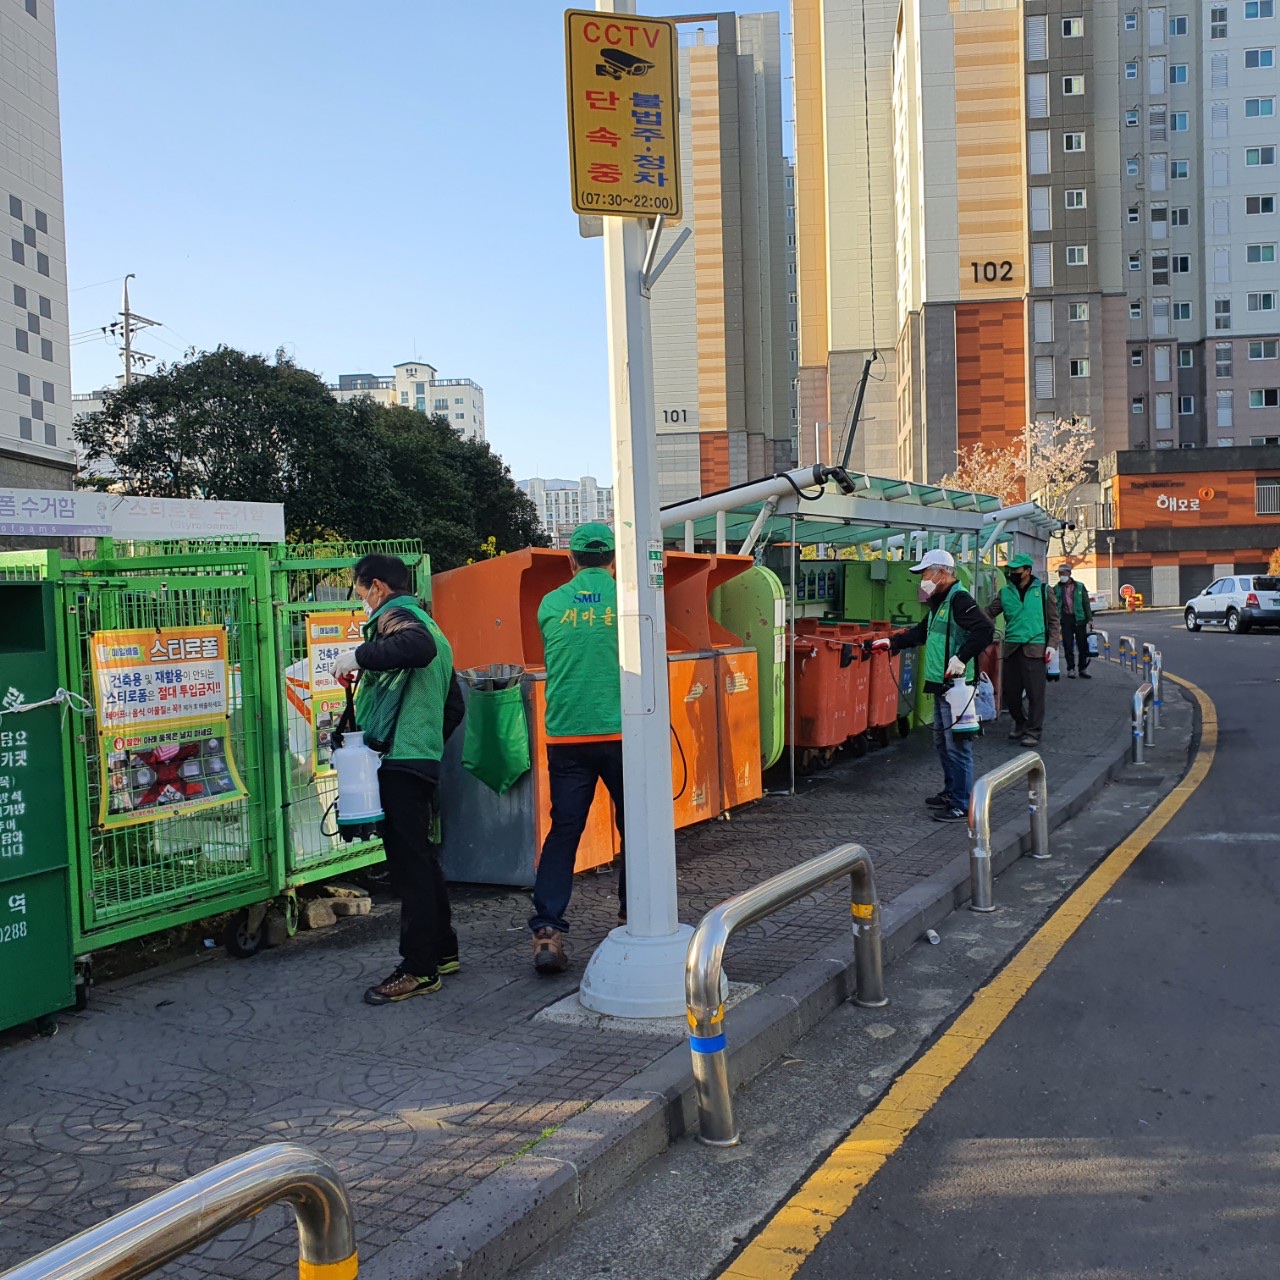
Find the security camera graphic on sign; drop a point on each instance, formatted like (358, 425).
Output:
(616, 63)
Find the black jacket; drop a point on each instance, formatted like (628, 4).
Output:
(978, 629)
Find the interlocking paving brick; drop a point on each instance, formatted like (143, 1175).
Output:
(417, 1103)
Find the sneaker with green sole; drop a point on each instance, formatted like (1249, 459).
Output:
(399, 985)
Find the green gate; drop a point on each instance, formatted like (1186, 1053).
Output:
(308, 581)
(138, 879)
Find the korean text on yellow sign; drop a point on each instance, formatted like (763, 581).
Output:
(624, 133)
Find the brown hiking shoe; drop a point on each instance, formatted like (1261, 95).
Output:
(548, 951)
(399, 985)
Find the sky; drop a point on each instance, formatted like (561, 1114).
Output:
(360, 182)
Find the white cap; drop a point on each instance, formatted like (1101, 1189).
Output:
(935, 560)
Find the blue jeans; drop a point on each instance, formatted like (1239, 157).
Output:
(573, 770)
(956, 753)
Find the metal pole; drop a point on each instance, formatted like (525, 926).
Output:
(1129, 653)
(637, 971)
(721, 542)
(1027, 765)
(704, 969)
(688, 535)
(763, 516)
(791, 662)
(1157, 687)
(143, 1239)
(1111, 571)
(1141, 729)
(128, 332)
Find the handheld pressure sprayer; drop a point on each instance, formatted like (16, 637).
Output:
(359, 802)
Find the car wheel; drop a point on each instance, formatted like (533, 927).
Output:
(1233, 621)
(1193, 623)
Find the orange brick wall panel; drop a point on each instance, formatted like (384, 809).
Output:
(714, 449)
(1200, 499)
(991, 373)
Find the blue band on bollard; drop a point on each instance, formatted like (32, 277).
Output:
(707, 1044)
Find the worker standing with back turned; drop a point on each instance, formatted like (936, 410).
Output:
(1032, 633)
(579, 625)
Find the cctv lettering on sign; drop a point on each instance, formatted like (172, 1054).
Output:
(624, 135)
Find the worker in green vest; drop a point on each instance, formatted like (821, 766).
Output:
(1031, 637)
(954, 632)
(1075, 615)
(407, 705)
(579, 625)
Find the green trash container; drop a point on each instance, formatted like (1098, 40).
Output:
(35, 901)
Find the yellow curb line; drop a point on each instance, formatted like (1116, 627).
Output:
(796, 1229)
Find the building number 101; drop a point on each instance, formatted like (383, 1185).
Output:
(991, 271)
(675, 415)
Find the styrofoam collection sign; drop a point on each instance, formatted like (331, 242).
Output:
(61, 513)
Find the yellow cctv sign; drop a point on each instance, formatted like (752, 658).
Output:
(624, 131)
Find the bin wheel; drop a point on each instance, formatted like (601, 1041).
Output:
(826, 757)
(290, 910)
(240, 939)
(904, 726)
(881, 735)
(84, 980)
(47, 1025)
(858, 745)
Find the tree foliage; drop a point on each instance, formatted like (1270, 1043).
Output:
(1049, 464)
(227, 425)
(1274, 564)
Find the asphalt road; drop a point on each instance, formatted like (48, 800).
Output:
(1124, 1121)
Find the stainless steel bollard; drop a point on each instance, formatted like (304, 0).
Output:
(1128, 652)
(142, 1239)
(705, 960)
(1157, 686)
(1143, 729)
(1105, 643)
(1028, 765)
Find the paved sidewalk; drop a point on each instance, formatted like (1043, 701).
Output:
(417, 1104)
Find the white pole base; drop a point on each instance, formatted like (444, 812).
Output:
(631, 977)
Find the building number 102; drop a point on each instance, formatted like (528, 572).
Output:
(991, 271)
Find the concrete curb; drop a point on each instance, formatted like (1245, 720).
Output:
(521, 1206)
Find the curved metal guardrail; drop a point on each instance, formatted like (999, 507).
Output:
(1128, 652)
(704, 966)
(1027, 765)
(142, 1239)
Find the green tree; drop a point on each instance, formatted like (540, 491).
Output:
(226, 425)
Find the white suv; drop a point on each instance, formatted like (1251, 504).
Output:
(1237, 603)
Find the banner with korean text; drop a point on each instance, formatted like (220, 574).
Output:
(329, 635)
(163, 700)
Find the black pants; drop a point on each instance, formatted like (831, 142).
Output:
(426, 928)
(1075, 635)
(1025, 674)
(573, 770)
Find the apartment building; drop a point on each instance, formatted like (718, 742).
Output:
(1199, 137)
(1068, 210)
(415, 385)
(723, 314)
(564, 504)
(36, 448)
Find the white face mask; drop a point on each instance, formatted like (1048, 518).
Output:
(367, 607)
(927, 588)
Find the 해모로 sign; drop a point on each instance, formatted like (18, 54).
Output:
(329, 635)
(164, 716)
(624, 134)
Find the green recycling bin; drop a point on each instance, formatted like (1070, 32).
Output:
(35, 903)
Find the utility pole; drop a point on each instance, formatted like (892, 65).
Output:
(125, 328)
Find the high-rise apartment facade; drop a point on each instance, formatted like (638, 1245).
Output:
(1201, 183)
(1080, 209)
(35, 371)
(723, 312)
(414, 385)
(564, 504)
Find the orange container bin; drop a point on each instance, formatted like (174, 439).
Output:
(882, 699)
(695, 756)
(823, 688)
(860, 679)
(738, 708)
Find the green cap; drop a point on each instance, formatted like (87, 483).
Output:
(1021, 562)
(592, 536)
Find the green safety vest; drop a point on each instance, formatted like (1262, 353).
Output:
(406, 708)
(1081, 598)
(579, 625)
(938, 648)
(1024, 616)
